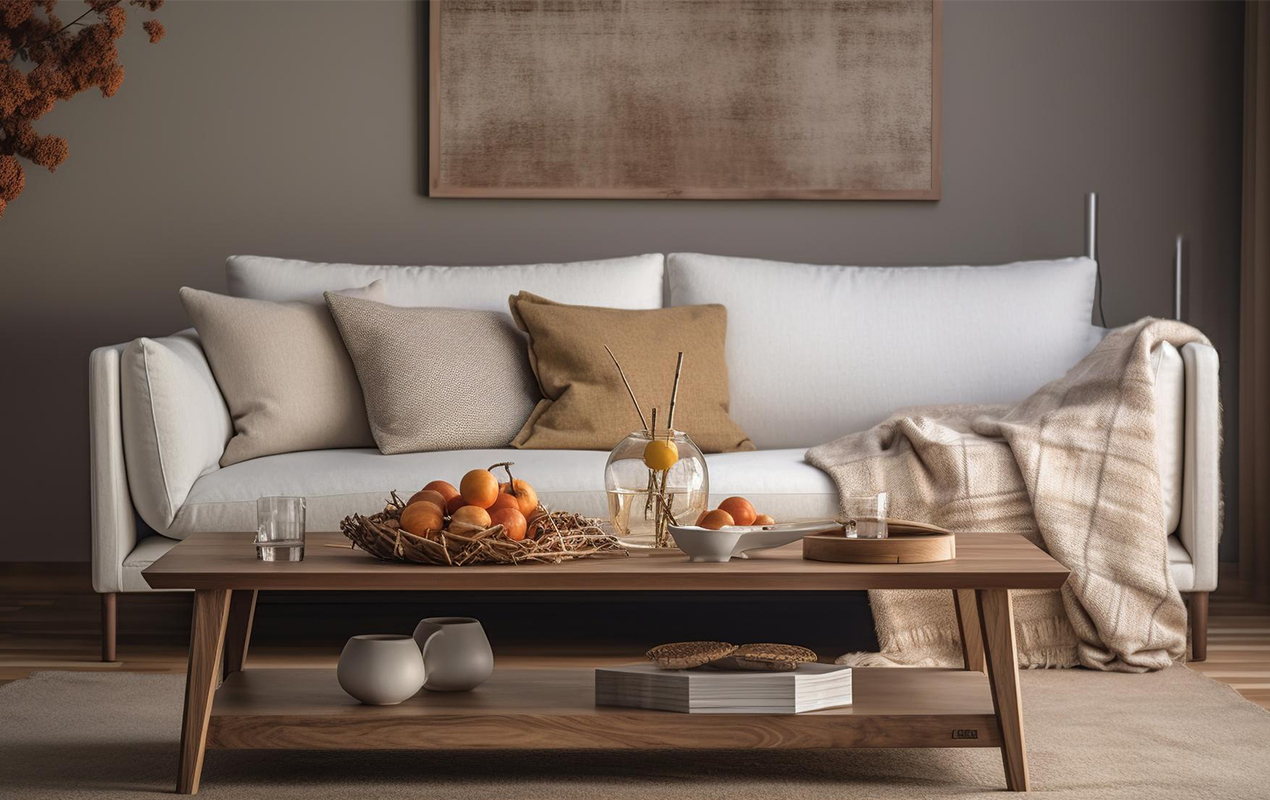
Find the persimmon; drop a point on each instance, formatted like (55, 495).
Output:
(763, 519)
(428, 495)
(514, 523)
(471, 515)
(420, 518)
(526, 496)
(740, 509)
(454, 504)
(443, 488)
(714, 520)
(479, 488)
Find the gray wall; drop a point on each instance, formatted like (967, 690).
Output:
(293, 129)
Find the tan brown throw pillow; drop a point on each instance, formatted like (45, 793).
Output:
(437, 378)
(284, 372)
(585, 405)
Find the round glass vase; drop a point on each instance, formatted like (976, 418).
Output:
(643, 501)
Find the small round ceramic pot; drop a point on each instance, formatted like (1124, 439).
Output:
(456, 653)
(381, 669)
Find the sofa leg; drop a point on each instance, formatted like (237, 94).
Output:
(109, 618)
(1199, 626)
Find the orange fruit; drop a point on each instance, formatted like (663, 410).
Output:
(716, 519)
(428, 495)
(525, 496)
(740, 510)
(514, 523)
(472, 515)
(479, 488)
(443, 488)
(454, 504)
(420, 518)
(505, 501)
(660, 454)
(763, 519)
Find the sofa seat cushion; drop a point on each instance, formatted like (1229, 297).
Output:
(337, 483)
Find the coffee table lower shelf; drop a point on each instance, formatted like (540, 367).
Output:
(555, 709)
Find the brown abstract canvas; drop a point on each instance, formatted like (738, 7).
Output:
(686, 98)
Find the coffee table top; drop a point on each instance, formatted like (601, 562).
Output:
(228, 561)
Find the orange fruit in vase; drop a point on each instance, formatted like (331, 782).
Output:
(471, 515)
(479, 488)
(454, 504)
(714, 520)
(504, 501)
(739, 509)
(443, 488)
(514, 523)
(524, 494)
(427, 496)
(763, 519)
(420, 518)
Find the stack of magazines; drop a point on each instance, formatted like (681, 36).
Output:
(811, 687)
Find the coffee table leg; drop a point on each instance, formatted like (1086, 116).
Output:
(242, 611)
(207, 641)
(996, 616)
(968, 623)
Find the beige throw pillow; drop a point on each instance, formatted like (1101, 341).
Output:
(585, 405)
(437, 378)
(284, 372)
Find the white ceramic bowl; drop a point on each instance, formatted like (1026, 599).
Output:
(703, 544)
(381, 669)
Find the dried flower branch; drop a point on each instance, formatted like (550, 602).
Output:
(43, 61)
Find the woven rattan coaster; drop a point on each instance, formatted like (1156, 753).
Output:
(686, 655)
(765, 658)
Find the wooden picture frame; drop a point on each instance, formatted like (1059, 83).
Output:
(445, 181)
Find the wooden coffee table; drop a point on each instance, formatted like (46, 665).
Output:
(978, 706)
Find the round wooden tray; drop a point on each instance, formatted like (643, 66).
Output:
(898, 548)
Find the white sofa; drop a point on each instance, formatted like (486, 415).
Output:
(813, 353)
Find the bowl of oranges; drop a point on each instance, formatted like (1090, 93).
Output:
(735, 528)
(482, 520)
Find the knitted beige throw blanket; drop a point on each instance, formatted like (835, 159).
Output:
(1074, 469)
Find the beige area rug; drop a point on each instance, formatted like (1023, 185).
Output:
(1101, 736)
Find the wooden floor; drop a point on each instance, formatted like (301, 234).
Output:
(49, 619)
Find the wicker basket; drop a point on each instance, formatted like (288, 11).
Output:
(563, 536)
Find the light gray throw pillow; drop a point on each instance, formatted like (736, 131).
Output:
(284, 373)
(437, 378)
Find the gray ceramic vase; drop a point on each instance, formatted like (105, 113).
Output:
(381, 669)
(456, 654)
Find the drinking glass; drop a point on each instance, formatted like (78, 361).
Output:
(280, 529)
(865, 517)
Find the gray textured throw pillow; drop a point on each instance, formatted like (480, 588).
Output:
(437, 378)
(284, 372)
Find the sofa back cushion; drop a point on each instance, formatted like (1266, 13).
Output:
(437, 378)
(175, 423)
(284, 371)
(816, 352)
(634, 282)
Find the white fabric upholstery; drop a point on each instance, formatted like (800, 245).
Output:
(634, 282)
(1199, 528)
(816, 352)
(338, 482)
(1180, 566)
(175, 422)
(1170, 423)
(113, 519)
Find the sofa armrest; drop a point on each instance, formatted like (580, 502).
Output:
(114, 523)
(1200, 526)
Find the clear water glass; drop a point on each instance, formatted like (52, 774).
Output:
(865, 517)
(280, 528)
